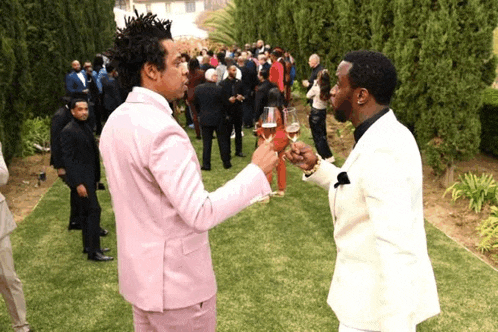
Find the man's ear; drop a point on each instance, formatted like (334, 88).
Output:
(362, 96)
(149, 71)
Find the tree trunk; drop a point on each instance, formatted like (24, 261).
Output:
(449, 176)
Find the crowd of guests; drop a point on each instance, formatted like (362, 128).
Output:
(228, 90)
(97, 84)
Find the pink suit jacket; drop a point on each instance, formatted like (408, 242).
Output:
(162, 210)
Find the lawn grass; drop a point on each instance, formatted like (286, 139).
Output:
(273, 262)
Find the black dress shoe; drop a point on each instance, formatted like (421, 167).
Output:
(103, 232)
(227, 166)
(240, 154)
(99, 257)
(206, 168)
(102, 250)
(74, 225)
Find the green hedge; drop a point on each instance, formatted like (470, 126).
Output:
(441, 49)
(489, 122)
(38, 41)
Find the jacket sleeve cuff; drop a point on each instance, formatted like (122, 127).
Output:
(324, 175)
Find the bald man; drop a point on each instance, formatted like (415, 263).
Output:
(212, 118)
(316, 67)
(76, 82)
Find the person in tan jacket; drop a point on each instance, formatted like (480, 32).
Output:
(10, 285)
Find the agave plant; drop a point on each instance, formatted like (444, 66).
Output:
(488, 230)
(478, 190)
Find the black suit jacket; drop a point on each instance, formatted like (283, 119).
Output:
(248, 80)
(231, 88)
(59, 120)
(261, 99)
(314, 75)
(80, 154)
(266, 66)
(209, 104)
(111, 94)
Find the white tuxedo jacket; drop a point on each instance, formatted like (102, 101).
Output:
(383, 278)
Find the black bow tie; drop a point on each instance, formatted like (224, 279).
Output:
(342, 178)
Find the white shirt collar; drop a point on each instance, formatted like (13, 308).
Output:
(81, 77)
(154, 95)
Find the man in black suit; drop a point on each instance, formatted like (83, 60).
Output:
(59, 120)
(80, 157)
(249, 81)
(263, 62)
(232, 98)
(111, 92)
(316, 67)
(208, 98)
(262, 90)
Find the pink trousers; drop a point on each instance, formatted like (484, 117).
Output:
(197, 317)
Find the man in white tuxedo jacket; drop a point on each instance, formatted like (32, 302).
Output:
(383, 278)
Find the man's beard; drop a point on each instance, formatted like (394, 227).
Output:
(341, 114)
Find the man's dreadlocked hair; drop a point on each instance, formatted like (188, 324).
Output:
(137, 44)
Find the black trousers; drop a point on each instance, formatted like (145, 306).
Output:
(236, 124)
(319, 132)
(98, 114)
(223, 136)
(75, 218)
(188, 115)
(90, 214)
(248, 112)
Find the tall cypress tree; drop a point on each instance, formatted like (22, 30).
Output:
(15, 90)
(457, 42)
(317, 32)
(354, 20)
(403, 47)
(249, 18)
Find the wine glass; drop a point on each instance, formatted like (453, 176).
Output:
(291, 122)
(269, 124)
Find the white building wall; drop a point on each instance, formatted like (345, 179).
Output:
(175, 7)
(183, 22)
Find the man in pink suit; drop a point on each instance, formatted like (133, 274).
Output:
(162, 210)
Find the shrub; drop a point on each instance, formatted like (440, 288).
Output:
(479, 190)
(488, 230)
(35, 131)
